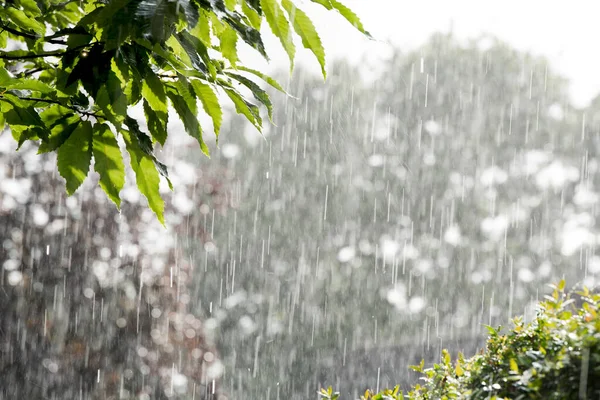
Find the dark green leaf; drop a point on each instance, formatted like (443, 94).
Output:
(257, 91)
(188, 117)
(247, 109)
(157, 123)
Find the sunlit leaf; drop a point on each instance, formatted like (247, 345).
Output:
(229, 45)
(188, 117)
(279, 26)
(307, 32)
(23, 21)
(108, 162)
(74, 156)
(257, 91)
(146, 175)
(210, 103)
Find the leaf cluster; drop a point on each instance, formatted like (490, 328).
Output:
(555, 356)
(70, 72)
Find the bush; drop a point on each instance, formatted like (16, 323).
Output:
(555, 356)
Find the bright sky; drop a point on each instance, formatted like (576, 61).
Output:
(568, 33)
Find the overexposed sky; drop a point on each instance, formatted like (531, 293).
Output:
(567, 33)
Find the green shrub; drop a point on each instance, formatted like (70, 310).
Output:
(555, 356)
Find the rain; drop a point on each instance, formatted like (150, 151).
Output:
(376, 222)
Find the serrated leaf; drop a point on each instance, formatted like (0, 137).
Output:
(146, 175)
(307, 32)
(74, 156)
(257, 91)
(188, 117)
(202, 28)
(272, 82)
(30, 7)
(249, 110)
(350, 16)
(210, 103)
(188, 49)
(279, 26)
(153, 92)
(252, 15)
(19, 18)
(108, 162)
(228, 40)
(27, 84)
(157, 123)
(145, 144)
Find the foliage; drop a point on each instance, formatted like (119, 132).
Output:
(77, 68)
(555, 356)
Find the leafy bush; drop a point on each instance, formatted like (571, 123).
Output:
(555, 356)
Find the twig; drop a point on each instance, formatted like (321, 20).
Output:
(4, 56)
(32, 71)
(49, 101)
(31, 36)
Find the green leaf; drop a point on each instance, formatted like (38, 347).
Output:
(60, 131)
(21, 19)
(264, 77)
(108, 162)
(252, 15)
(210, 102)
(350, 16)
(229, 45)
(279, 26)
(74, 156)
(307, 32)
(230, 4)
(157, 123)
(188, 117)
(249, 110)
(202, 28)
(183, 47)
(153, 92)
(146, 175)
(30, 7)
(257, 91)
(28, 84)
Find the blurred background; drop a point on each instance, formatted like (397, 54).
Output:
(440, 179)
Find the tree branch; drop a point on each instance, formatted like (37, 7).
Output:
(30, 36)
(50, 101)
(5, 56)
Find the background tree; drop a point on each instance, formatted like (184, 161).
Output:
(383, 221)
(77, 68)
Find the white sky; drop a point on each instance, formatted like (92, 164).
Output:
(568, 33)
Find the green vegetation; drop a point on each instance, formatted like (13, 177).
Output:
(555, 356)
(74, 70)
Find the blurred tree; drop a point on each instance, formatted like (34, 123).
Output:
(77, 68)
(382, 221)
(95, 304)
